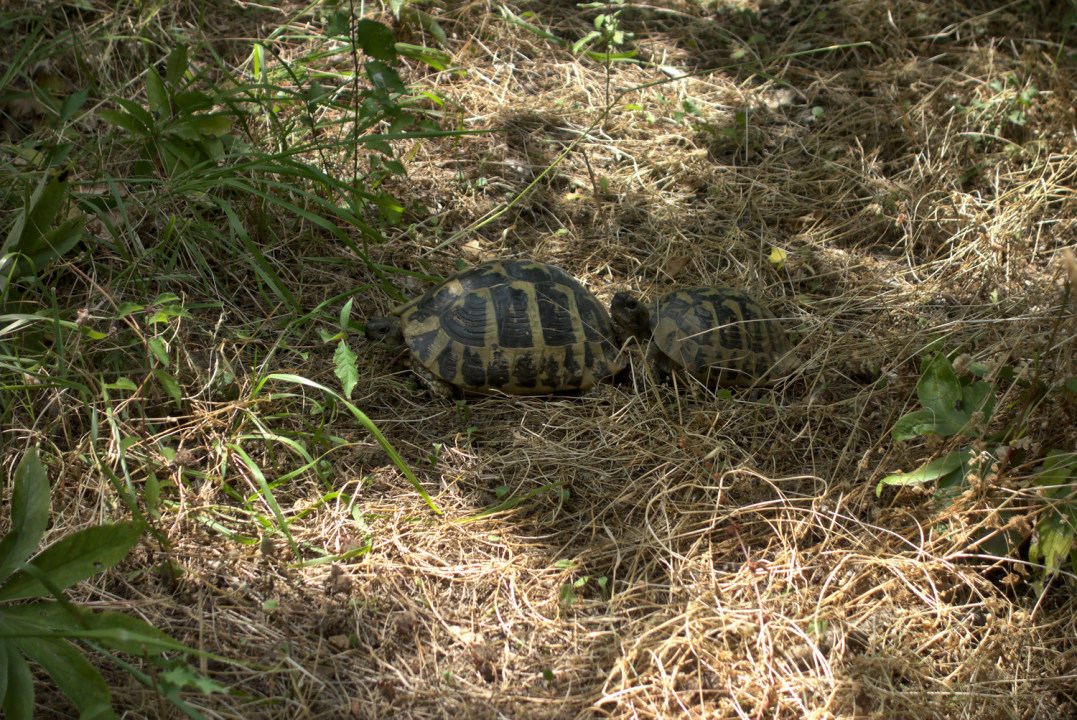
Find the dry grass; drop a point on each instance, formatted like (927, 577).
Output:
(671, 555)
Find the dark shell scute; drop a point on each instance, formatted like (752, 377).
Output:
(512, 305)
(555, 313)
(466, 321)
(447, 364)
(472, 369)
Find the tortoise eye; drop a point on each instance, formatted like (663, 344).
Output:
(631, 303)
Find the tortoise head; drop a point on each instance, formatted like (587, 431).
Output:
(386, 330)
(630, 315)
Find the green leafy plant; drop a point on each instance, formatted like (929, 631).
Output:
(1006, 107)
(1055, 531)
(180, 128)
(43, 231)
(607, 34)
(983, 442)
(39, 625)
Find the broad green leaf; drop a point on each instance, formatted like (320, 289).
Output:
(346, 313)
(74, 558)
(920, 422)
(73, 103)
(978, 397)
(1060, 464)
(59, 241)
(170, 386)
(124, 120)
(211, 125)
(139, 113)
(159, 350)
(384, 77)
(1055, 539)
(437, 59)
(29, 513)
(432, 26)
(18, 701)
(115, 630)
(938, 388)
(121, 384)
(157, 94)
(176, 65)
(192, 101)
(71, 672)
(5, 661)
(126, 308)
(934, 470)
(346, 368)
(376, 40)
(1059, 474)
(36, 217)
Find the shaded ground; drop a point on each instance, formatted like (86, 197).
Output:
(670, 554)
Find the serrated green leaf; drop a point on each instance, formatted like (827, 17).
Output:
(934, 470)
(157, 94)
(159, 350)
(376, 40)
(29, 513)
(74, 558)
(71, 672)
(169, 385)
(346, 368)
(176, 65)
(18, 700)
(384, 77)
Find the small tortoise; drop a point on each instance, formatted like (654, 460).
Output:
(515, 326)
(720, 336)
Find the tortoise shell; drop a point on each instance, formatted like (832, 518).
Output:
(721, 336)
(516, 326)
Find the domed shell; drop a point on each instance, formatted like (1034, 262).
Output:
(721, 336)
(518, 326)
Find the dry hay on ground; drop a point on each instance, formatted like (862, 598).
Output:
(671, 554)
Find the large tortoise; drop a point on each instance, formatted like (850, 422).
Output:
(516, 326)
(720, 336)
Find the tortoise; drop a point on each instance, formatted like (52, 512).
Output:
(718, 335)
(516, 326)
